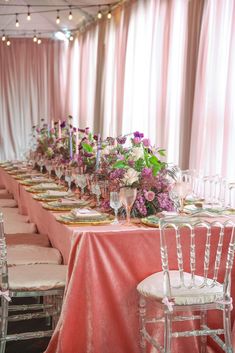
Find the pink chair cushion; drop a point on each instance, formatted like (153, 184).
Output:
(19, 227)
(32, 255)
(30, 239)
(4, 194)
(37, 277)
(8, 203)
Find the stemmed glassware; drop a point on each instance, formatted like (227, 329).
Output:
(127, 198)
(182, 188)
(95, 189)
(69, 178)
(59, 172)
(115, 203)
(81, 181)
(49, 168)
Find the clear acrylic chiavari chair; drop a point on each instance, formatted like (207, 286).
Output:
(189, 284)
(23, 281)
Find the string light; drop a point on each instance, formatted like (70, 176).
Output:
(35, 37)
(8, 42)
(39, 41)
(99, 14)
(70, 14)
(58, 17)
(71, 37)
(29, 15)
(109, 15)
(3, 36)
(17, 21)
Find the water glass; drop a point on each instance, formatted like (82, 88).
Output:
(59, 172)
(68, 178)
(127, 197)
(115, 203)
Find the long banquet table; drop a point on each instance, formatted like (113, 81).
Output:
(105, 263)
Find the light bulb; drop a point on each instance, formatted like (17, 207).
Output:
(39, 41)
(8, 42)
(17, 21)
(58, 17)
(109, 15)
(99, 15)
(3, 37)
(71, 37)
(28, 16)
(70, 15)
(35, 38)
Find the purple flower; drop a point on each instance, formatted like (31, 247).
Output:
(138, 134)
(140, 205)
(121, 140)
(95, 137)
(165, 203)
(147, 172)
(146, 142)
(63, 124)
(87, 130)
(117, 174)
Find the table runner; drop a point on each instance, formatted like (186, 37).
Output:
(100, 310)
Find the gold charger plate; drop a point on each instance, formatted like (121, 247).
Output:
(52, 207)
(39, 191)
(67, 221)
(151, 221)
(45, 198)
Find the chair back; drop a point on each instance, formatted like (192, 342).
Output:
(213, 260)
(3, 257)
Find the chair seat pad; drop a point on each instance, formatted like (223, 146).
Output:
(8, 203)
(26, 238)
(20, 227)
(152, 286)
(36, 277)
(32, 254)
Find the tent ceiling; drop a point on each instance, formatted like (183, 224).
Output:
(45, 22)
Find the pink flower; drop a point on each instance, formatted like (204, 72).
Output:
(136, 140)
(149, 195)
(146, 142)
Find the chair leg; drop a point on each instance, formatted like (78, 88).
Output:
(142, 314)
(3, 324)
(203, 322)
(167, 332)
(227, 329)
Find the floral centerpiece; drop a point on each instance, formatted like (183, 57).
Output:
(138, 165)
(125, 161)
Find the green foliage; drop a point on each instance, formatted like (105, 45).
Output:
(87, 148)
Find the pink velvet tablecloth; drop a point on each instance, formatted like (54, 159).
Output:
(100, 309)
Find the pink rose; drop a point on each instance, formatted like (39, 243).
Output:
(146, 142)
(149, 195)
(136, 140)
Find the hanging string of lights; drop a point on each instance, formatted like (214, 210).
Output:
(104, 10)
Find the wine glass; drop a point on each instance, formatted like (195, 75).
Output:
(68, 179)
(81, 181)
(95, 189)
(182, 188)
(115, 203)
(127, 197)
(49, 168)
(59, 172)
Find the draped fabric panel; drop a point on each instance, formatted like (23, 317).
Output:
(34, 85)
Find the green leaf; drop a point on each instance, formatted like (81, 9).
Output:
(154, 160)
(119, 165)
(162, 152)
(139, 164)
(87, 148)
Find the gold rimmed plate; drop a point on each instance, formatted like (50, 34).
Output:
(151, 221)
(47, 197)
(73, 221)
(62, 206)
(38, 190)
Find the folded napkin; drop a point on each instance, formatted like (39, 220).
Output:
(85, 213)
(72, 202)
(46, 185)
(57, 193)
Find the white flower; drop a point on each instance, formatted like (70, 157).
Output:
(107, 150)
(137, 153)
(131, 176)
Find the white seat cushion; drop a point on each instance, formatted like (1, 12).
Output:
(37, 277)
(152, 286)
(8, 203)
(19, 227)
(32, 255)
(30, 239)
